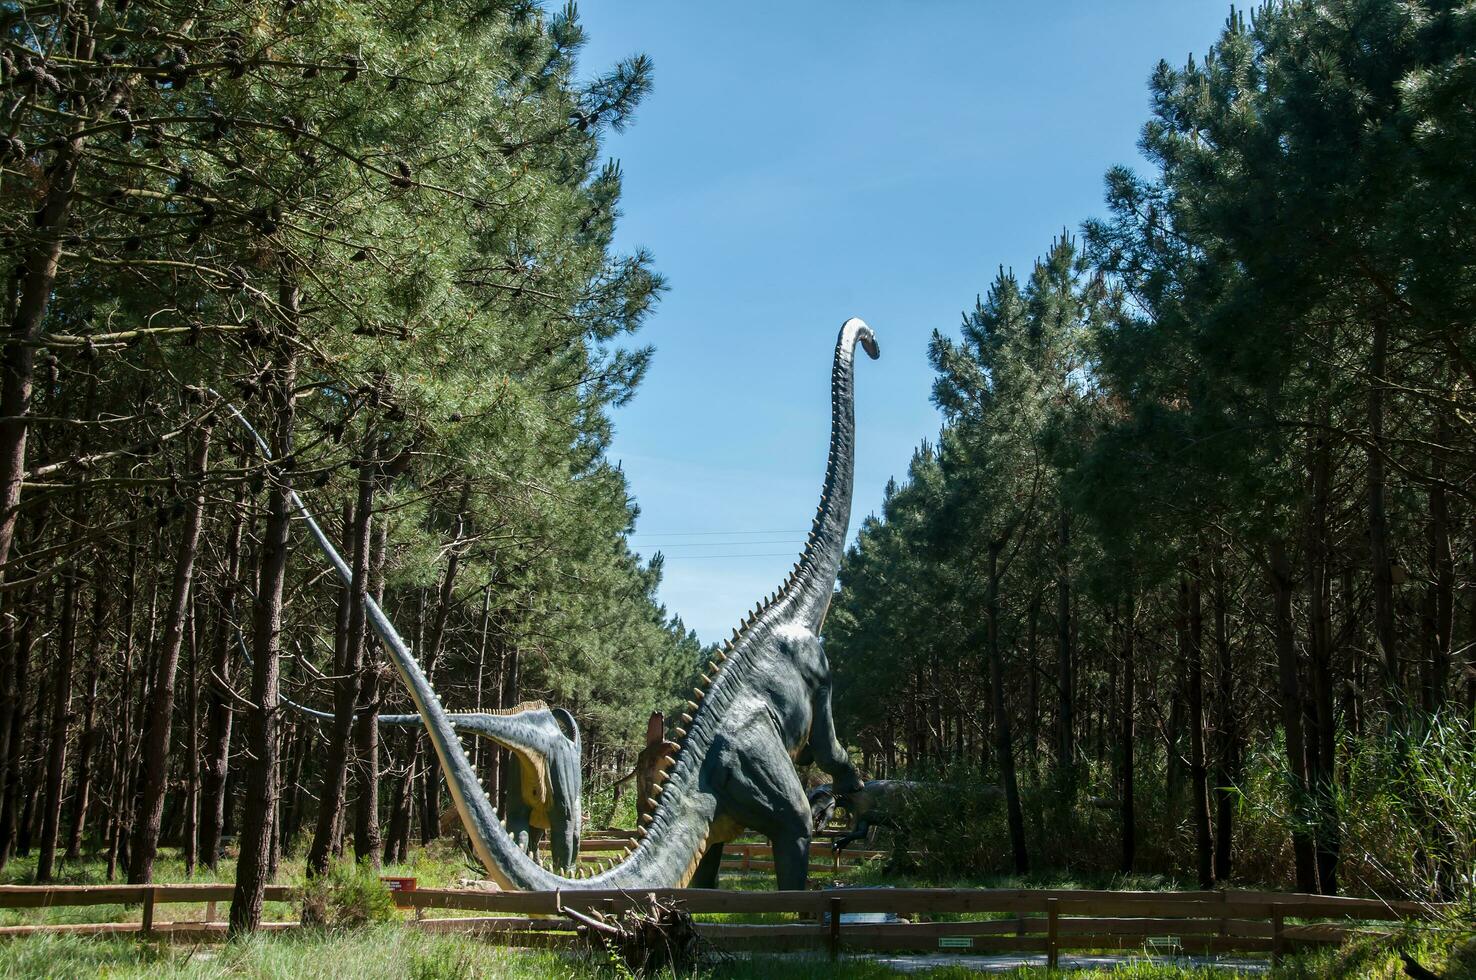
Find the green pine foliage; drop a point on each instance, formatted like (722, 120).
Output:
(1222, 452)
(408, 201)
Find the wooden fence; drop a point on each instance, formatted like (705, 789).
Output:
(744, 856)
(1019, 921)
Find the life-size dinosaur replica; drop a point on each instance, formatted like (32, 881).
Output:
(649, 765)
(544, 777)
(762, 703)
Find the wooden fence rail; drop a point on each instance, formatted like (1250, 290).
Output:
(1027, 921)
(745, 857)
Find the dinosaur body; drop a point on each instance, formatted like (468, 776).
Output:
(764, 701)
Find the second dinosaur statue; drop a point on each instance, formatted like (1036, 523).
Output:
(544, 778)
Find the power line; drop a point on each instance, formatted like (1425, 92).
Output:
(696, 534)
(773, 554)
(719, 544)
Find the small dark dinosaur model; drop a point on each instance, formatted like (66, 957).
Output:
(763, 702)
(879, 803)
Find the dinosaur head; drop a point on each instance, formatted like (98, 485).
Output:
(868, 342)
(565, 815)
(822, 806)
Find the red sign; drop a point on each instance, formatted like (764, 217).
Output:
(398, 885)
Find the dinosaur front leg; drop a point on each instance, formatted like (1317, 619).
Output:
(535, 837)
(859, 833)
(519, 830)
(826, 748)
(563, 841)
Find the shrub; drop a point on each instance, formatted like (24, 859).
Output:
(1407, 807)
(348, 896)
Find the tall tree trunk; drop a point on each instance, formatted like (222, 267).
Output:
(1065, 679)
(1198, 776)
(1290, 689)
(1322, 746)
(1004, 745)
(397, 836)
(19, 685)
(122, 729)
(346, 690)
(190, 845)
(18, 358)
(254, 865)
(218, 712)
(1378, 526)
(61, 709)
(12, 693)
(26, 832)
(160, 719)
(1174, 769)
(511, 691)
(296, 739)
(367, 842)
(431, 808)
(87, 744)
(1442, 580)
(1032, 710)
(147, 661)
(1227, 726)
(1126, 736)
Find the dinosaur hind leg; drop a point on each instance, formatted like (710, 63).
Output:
(706, 875)
(756, 785)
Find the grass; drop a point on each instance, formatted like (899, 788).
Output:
(439, 865)
(381, 949)
(391, 951)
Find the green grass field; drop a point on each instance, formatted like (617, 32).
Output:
(388, 949)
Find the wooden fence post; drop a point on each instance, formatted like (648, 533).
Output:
(833, 940)
(1053, 932)
(210, 911)
(1278, 938)
(147, 928)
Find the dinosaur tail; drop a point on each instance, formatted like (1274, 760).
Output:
(814, 578)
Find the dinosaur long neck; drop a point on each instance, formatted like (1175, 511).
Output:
(814, 580)
(804, 597)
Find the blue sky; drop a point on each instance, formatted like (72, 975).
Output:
(801, 163)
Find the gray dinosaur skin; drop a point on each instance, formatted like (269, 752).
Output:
(764, 701)
(544, 775)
